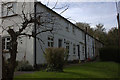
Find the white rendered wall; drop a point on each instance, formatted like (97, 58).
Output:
(60, 33)
(26, 48)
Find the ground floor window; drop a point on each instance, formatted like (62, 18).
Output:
(59, 43)
(67, 47)
(74, 48)
(50, 41)
(5, 43)
(83, 49)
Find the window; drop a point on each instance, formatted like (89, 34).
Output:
(73, 29)
(59, 43)
(88, 38)
(50, 41)
(83, 36)
(83, 49)
(67, 28)
(67, 47)
(74, 48)
(6, 43)
(9, 9)
(88, 52)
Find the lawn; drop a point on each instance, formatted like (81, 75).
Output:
(87, 70)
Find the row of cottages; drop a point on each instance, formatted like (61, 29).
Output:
(65, 34)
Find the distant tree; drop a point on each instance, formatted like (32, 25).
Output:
(112, 37)
(100, 28)
(100, 33)
(84, 26)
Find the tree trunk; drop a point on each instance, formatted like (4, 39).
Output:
(9, 65)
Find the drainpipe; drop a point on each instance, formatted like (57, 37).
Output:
(85, 43)
(35, 64)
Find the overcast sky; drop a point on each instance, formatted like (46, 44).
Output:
(89, 12)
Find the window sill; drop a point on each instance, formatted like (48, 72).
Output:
(74, 55)
(9, 16)
(5, 51)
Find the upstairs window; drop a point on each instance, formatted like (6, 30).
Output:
(9, 9)
(6, 43)
(50, 41)
(73, 29)
(67, 28)
(88, 38)
(83, 36)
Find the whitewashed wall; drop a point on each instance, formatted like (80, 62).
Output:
(61, 33)
(26, 48)
(0, 57)
(90, 43)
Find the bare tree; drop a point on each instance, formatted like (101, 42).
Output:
(23, 28)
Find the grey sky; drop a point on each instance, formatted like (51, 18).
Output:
(89, 12)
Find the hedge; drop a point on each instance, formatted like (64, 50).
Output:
(56, 58)
(110, 54)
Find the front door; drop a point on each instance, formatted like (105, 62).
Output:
(78, 51)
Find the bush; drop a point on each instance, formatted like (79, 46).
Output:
(56, 58)
(24, 66)
(110, 54)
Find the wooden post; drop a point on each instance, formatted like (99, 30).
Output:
(0, 57)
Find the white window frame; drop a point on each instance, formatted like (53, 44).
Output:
(11, 7)
(74, 49)
(50, 41)
(83, 49)
(60, 43)
(73, 29)
(83, 36)
(5, 43)
(67, 28)
(68, 46)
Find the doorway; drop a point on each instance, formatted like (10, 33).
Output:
(78, 46)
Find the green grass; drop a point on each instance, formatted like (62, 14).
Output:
(87, 70)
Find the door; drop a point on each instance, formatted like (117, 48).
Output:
(78, 51)
(59, 43)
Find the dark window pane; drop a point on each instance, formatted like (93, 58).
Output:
(48, 44)
(3, 44)
(48, 38)
(8, 45)
(51, 39)
(51, 44)
(8, 38)
(59, 43)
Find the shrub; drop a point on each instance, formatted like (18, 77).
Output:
(56, 58)
(110, 54)
(24, 66)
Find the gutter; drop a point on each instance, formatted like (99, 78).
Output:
(35, 64)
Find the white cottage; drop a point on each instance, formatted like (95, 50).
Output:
(80, 44)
